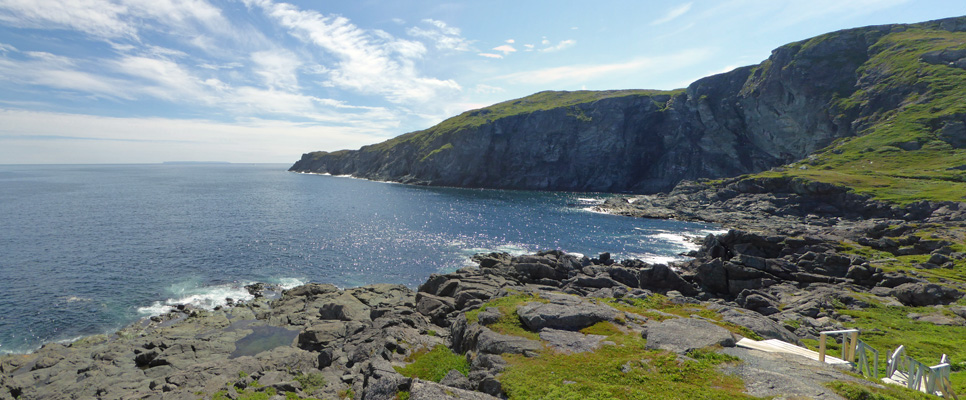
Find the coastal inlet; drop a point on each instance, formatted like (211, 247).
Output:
(89, 249)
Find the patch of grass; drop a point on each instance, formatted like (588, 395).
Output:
(404, 395)
(886, 328)
(855, 391)
(433, 365)
(248, 395)
(509, 323)
(347, 394)
(311, 382)
(623, 371)
(653, 306)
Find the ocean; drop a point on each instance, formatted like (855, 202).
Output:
(88, 249)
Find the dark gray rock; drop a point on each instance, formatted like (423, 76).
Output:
(564, 312)
(457, 380)
(682, 335)
(423, 390)
(494, 343)
(571, 342)
(925, 294)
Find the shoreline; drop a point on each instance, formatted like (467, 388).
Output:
(781, 280)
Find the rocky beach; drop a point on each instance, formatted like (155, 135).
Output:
(787, 276)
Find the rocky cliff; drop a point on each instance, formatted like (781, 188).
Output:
(803, 97)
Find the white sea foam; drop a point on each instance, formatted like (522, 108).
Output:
(683, 240)
(654, 258)
(590, 200)
(207, 297)
(289, 283)
(595, 210)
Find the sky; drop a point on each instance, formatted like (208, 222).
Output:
(263, 81)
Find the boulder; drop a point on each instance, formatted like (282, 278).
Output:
(494, 343)
(564, 312)
(921, 294)
(571, 342)
(683, 335)
(457, 380)
(423, 390)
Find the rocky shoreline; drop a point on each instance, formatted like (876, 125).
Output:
(784, 277)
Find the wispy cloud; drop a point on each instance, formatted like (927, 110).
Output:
(583, 73)
(505, 49)
(673, 14)
(444, 37)
(369, 63)
(490, 55)
(560, 46)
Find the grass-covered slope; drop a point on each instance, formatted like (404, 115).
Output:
(913, 152)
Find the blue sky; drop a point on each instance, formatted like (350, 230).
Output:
(144, 81)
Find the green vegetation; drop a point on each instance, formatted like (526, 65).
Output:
(855, 391)
(886, 328)
(433, 365)
(435, 139)
(902, 155)
(889, 262)
(626, 370)
(247, 395)
(310, 382)
(656, 307)
(509, 323)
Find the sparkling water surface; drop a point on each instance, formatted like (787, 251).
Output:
(87, 249)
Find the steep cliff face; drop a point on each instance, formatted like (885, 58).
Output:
(803, 97)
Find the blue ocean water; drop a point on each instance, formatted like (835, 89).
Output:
(88, 249)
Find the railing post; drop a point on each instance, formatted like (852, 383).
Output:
(853, 342)
(821, 347)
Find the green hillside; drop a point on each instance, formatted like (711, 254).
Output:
(906, 154)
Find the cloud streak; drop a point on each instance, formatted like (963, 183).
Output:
(587, 72)
(673, 14)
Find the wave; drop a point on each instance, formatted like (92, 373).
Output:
(652, 258)
(206, 297)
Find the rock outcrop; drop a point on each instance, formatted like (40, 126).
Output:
(747, 120)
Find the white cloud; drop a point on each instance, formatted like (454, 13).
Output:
(583, 73)
(506, 49)
(95, 17)
(444, 36)
(487, 89)
(673, 14)
(368, 63)
(120, 19)
(511, 41)
(560, 46)
(529, 47)
(6, 48)
(490, 55)
(277, 68)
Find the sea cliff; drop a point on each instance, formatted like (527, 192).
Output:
(859, 82)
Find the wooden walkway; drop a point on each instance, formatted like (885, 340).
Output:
(778, 346)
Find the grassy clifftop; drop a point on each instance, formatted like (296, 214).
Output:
(913, 152)
(542, 101)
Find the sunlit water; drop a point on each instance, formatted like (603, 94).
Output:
(89, 249)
